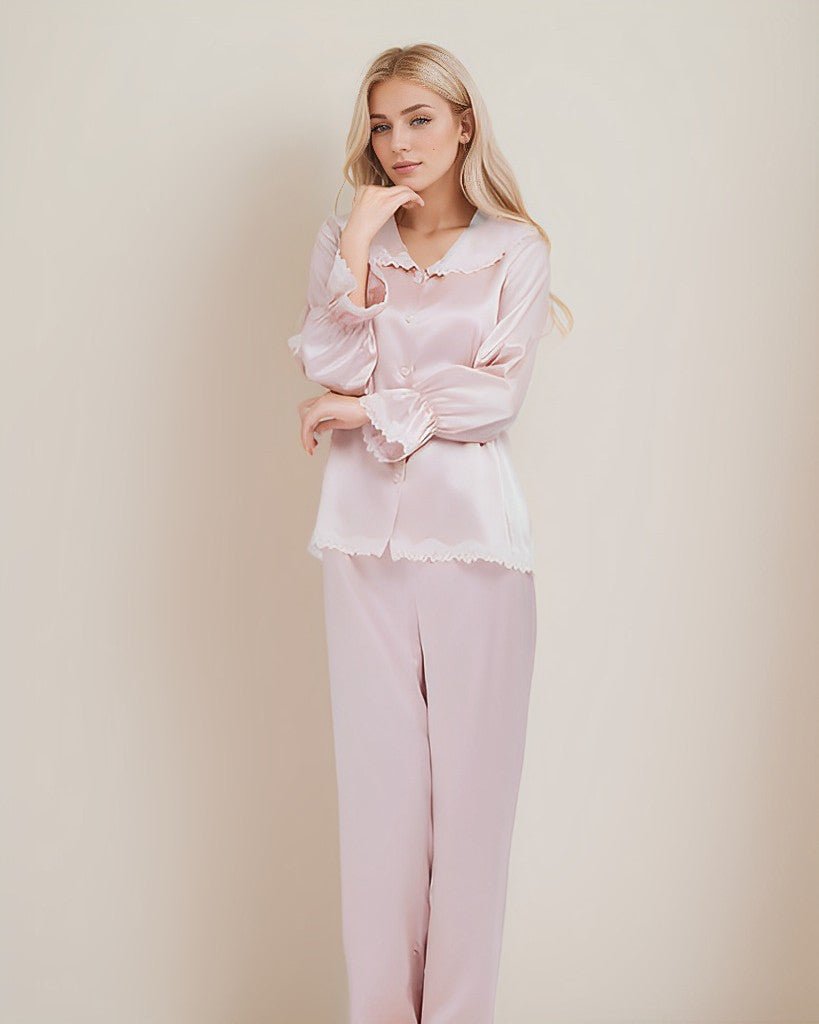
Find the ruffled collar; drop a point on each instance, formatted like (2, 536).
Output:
(483, 242)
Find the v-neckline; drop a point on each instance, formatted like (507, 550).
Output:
(447, 254)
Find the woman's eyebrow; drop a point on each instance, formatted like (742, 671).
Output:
(415, 106)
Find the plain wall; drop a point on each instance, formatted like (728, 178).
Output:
(169, 850)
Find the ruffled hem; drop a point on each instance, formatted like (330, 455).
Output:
(379, 445)
(342, 281)
(462, 554)
(386, 439)
(349, 547)
(422, 553)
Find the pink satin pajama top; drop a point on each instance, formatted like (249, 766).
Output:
(441, 360)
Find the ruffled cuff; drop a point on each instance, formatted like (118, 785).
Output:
(341, 282)
(400, 421)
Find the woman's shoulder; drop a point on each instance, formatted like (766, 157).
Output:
(508, 233)
(498, 238)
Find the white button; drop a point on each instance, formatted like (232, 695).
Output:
(397, 476)
(408, 318)
(405, 371)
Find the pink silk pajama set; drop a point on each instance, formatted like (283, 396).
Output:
(429, 601)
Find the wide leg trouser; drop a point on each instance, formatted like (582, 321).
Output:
(430, 667)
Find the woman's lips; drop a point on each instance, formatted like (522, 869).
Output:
(407, 168)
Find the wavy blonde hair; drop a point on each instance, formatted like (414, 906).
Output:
(487, 180)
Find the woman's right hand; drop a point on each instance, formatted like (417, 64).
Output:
(372, 206)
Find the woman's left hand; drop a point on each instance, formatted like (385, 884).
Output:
(329, 411)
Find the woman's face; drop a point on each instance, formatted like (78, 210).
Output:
(412, 124)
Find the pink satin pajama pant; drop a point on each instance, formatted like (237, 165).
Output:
(430, 667)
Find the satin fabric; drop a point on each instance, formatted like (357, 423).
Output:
(440, 359)
(430, 668)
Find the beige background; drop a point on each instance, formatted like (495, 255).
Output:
(168, 798)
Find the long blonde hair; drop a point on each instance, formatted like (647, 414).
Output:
(487, 180)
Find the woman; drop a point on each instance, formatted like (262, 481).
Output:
(424, 309)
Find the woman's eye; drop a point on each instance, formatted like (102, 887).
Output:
(420, 117)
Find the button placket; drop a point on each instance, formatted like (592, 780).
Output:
(420, 277)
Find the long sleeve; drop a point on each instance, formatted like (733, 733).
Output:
(336, 345)
(471, 403)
